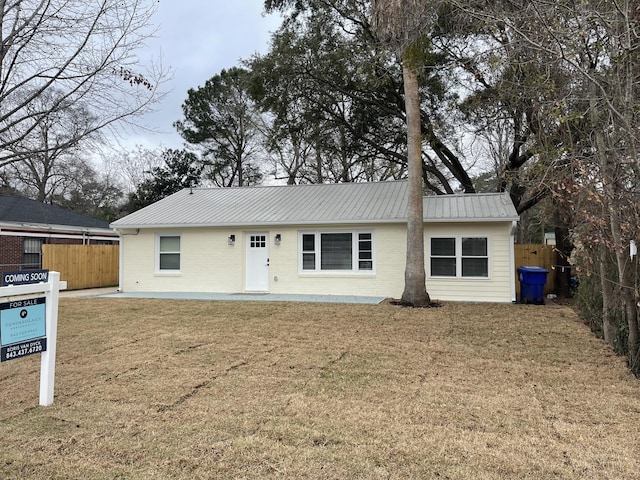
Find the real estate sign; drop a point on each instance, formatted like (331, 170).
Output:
(22, 328)
(24, 277)
(29, 324)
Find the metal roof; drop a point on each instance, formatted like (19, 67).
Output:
(314, 204)
(485, 207)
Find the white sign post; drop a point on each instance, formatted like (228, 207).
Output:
(25, 346)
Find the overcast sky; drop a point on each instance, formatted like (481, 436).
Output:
(197, 39)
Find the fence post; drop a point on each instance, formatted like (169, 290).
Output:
(48, 358)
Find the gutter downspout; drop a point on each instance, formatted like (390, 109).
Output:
(120, 262)
(512, 259)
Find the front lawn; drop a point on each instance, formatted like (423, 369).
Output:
(162, 389)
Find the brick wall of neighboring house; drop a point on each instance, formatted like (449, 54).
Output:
(10, 252)
(12, 249)
(105, 242)
(77, 241)
(63, 241)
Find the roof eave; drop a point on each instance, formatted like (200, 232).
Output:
(472, 220)
(304, 223)
(50, 228)
(255, 224)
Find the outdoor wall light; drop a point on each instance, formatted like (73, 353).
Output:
(278, 239)
(232, 239)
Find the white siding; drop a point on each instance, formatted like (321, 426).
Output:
(496, 288)
(209, 264)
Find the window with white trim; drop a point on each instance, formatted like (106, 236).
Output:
(168, 253)
(466, 257)
(336, 252)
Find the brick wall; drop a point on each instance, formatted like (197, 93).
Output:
(77, 241)
(11, 249)
(10, 252)
(63, 241)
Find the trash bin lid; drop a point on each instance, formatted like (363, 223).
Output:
(532, 269)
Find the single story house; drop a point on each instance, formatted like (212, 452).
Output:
(25, 225)
(334, 239)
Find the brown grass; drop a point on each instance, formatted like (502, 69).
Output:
(152, 389)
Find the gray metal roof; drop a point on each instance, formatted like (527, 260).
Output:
(317, 204)
(485, 207)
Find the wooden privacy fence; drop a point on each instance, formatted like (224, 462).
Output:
(544, 256)
(83, 266)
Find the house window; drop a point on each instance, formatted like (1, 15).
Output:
(308, 251)
(365, 251)
(459, 257)
(168, 253)
(336, 252)
(32, 253)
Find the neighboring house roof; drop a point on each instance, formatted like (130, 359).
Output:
(314, 204)
(19, 212)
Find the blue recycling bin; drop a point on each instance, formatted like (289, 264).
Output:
(532, 282)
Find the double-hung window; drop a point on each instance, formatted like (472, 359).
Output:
(32, 255)
(336, 252)
(168, 253)
(466, 257)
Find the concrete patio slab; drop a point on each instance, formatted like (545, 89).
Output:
(247, 297)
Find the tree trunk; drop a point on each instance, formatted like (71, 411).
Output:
(239, 170)
(628, 34)
(608, 326)
(318, 165)
(415, 290)
(627, 290)
(628, 298)
(564, 246)
(614, 190)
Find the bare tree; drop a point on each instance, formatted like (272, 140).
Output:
(77, 52)
(596, 43)
(47, 157)
(130, 168)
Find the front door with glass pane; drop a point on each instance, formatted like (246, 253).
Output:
(257, 270)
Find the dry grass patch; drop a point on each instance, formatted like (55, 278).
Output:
(158, 389)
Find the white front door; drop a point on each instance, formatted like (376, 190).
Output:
(257, 274)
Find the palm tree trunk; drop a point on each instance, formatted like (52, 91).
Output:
(415, 290)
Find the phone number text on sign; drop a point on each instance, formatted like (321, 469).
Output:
(22, 328)
(23, 349)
